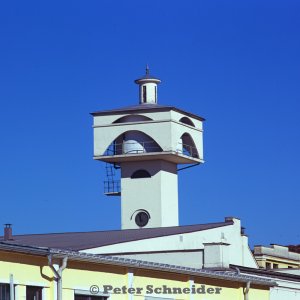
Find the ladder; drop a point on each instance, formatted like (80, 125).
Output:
(112, 186)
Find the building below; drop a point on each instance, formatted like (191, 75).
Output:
(212, 245)
(178, 261)
(41, 273)
(287, 281)
(276, 257)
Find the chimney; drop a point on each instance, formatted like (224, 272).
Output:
(216, 255)
(8, 232)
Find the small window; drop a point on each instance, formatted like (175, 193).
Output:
(140, 174)
(275, 266)
(34, 293)
(4, 291)
(144, 94)
(268, 266)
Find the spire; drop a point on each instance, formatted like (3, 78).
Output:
(147, 70)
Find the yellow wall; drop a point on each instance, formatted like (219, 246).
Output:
(33, 270)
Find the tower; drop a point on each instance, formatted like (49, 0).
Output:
(147, 142)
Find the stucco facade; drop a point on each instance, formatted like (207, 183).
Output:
(26, 270)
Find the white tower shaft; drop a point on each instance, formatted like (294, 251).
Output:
(157, 195)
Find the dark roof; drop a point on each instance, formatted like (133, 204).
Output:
(76, 241)
(294, 248)
(144, 108)
(272, 273)
(147, 77)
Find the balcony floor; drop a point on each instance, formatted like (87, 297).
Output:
(170, 156)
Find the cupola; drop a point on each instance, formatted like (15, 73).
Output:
(148, 88)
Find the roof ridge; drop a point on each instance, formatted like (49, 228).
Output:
(121, 230)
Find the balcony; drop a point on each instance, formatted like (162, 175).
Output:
(149, 150)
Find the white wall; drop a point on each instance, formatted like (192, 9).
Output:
(165, 129)
(184, 259)
(285, 293)
(190, 241)
(157, 195)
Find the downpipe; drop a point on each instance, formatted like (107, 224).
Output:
(11, 287)
(246, 290)
(58, 274)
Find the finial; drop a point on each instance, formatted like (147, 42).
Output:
(147, 69)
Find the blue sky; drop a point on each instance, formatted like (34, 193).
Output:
(236, 63)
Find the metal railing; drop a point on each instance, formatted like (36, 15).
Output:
(132, 148)
(148, 147)
(189, 150)
(112, 187)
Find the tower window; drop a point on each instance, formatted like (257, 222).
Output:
(187, 121)
(140, 174)
(144, 94)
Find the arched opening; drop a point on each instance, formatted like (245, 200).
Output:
(133, 142)
(140, 174)
(187, 121)
(132, 118)
(186, 146)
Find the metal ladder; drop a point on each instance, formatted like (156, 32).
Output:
(112, 186)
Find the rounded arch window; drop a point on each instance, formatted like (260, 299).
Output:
(132, 118)
(140, 174)
(187, 121)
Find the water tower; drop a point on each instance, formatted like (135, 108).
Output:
(147, 142)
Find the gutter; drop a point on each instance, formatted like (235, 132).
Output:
(133, 263)
(58, 273)
(267, 273)
(226, 275)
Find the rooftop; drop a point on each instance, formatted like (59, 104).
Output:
(147, 77)
(294, 248)
(76, 241)
(277, 251)
(144, 108)
(225, 274)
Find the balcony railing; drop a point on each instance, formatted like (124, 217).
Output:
(148, 147)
